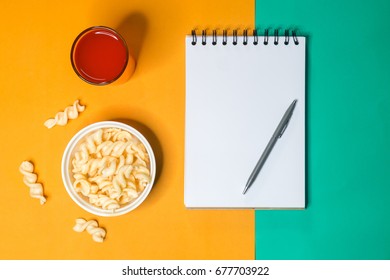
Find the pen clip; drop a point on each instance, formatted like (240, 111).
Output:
(284, 128)
(287, 116)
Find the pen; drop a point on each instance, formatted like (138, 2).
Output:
(277, 134)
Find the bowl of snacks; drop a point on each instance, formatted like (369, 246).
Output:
(108, 168)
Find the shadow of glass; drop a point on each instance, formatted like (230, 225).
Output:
(133, 29)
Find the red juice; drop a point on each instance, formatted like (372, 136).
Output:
(99, 55)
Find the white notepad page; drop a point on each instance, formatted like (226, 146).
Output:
(236, 96)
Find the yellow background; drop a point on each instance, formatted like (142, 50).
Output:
(37, 81)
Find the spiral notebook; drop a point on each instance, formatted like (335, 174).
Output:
(238, 87)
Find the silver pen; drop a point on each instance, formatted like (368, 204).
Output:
(277, 134)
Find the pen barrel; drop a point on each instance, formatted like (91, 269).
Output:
(263, 158)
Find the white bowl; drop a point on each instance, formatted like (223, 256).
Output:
(67, 169)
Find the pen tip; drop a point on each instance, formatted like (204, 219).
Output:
(245, 189)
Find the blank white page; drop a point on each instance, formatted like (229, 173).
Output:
(236, 96)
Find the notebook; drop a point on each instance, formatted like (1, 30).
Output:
(238, 87)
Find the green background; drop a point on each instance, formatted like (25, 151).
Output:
(348, 133)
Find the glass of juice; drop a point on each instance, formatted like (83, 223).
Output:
(99, 55)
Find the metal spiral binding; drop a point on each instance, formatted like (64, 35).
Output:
(235, 37)
(265, 37)
(245, 37)
(214, 37)
(224, 37)
(286, 37)
(204, 37)
(276, 37)
(295, 39)
(193, 33)
(255, 37)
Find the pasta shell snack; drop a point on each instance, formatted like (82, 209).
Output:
(30, 180)
(98, 234)
(62, 118)
(108, 168)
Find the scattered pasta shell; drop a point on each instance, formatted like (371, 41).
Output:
(70, 113)
(92, 227)
(30, 180)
